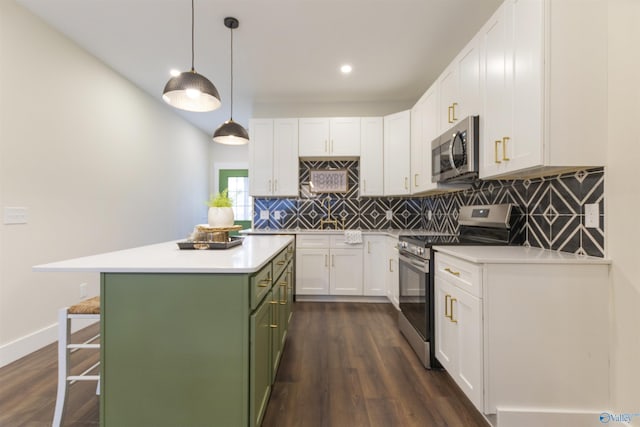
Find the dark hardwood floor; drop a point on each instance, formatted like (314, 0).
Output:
(344, 365)
(28, 388)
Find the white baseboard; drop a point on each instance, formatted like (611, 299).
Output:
(341, 298)
(532, 417)
(16, 349)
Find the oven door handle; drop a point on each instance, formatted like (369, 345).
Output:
(423, 266)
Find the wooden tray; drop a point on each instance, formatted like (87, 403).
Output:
(203, 245)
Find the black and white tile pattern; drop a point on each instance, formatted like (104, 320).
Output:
(551, 212)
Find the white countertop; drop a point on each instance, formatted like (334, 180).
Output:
(388, 232)
(166, 257)
(516, 255)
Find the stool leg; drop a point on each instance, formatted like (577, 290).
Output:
(64, 330)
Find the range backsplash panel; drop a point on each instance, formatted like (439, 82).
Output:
(550, 211)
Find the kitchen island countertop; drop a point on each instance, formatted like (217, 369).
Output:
(251, 256)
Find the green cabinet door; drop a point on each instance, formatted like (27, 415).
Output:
(260, 370)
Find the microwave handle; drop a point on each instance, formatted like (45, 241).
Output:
(453, 163)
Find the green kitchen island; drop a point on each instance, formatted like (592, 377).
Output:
(190, 338)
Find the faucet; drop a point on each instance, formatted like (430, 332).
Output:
(329, 220)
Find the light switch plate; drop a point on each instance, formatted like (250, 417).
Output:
(389, 215)
(591, 215)
(15, 215)
(264, 214)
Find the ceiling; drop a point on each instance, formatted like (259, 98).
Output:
(285, 51)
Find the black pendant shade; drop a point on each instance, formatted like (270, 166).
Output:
(191, 91)
(230, 132)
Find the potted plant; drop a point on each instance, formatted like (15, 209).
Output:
(220, 210)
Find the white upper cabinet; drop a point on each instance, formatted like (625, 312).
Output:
(329, 137)
(459, 87)
(273, 157)
(397, 149)
(371, 157)
(424, 129)
(544, 82)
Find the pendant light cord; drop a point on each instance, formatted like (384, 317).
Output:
(231, 115)
(192, 36)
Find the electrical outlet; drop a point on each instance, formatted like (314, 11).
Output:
(389, 215)
(264, 214)
(277, 215)
(83, 290)
(591, 215)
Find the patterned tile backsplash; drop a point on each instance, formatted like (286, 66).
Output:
(551, 209)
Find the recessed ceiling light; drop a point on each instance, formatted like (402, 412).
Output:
(346, 69)
(174, 72)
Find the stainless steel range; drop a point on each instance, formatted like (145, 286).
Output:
(479, 225)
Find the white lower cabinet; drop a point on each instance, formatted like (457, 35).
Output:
(458, 325)
(525, 338)
(325, 265)
(312, 271)
(375, 265)
(393, 275)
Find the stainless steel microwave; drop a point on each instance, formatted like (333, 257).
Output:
(454, 154)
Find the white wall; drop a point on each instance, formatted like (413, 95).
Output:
(99, 164)
(623, 203)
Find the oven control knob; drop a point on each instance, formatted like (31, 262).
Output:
(420, 251)
(403, 245)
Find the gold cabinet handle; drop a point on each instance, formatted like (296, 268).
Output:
(364, 185)
(390, 265)
(450, 271)
(275, 324)
(495, 151)
(449, 114)
(447, 301)
(270, 188)
(368, 247)
(265, 282)
(406, 183)
(451, 311)
(331, 146)
(415, 179)
(453, 112)
(326, 145)
(284, 299)
(326, 260)
(333, 260)
(504, 148)
(281, 262)
(275, 185)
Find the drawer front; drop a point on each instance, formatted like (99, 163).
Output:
(261, 283)
(279, 263)
(337, 241)
(464, 274)
(312, 241)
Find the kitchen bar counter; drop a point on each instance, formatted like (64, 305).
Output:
(166, 257)
(516, 255)
(190, 337)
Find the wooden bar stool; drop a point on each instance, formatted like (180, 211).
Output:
(87, 309)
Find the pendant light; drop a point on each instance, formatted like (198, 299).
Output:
(189, 90)
(230, 132)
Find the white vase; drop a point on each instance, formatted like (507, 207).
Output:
(220, 217)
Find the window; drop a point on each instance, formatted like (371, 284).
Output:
(236, 181)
